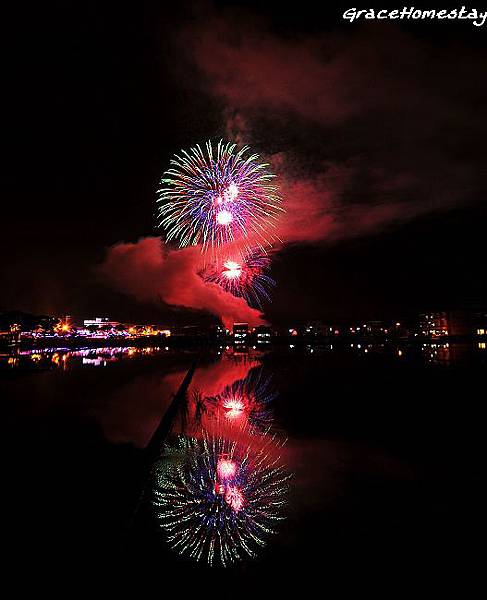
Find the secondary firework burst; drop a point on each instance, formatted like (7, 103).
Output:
(245, 277)
(218, 195)
(222, 499)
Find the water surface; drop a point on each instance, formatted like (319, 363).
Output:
(383, 443)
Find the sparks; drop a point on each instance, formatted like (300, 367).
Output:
(219, 500)
(234, 498)
(231, 270)
(245, 277)
(224, 217)
(218, 195)
(226, 468)
(234, 407)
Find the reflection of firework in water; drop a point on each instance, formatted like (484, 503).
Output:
(217, 197)
(245, 277)
(223, 498)
(244, 403)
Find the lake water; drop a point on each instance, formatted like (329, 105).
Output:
(382, 445)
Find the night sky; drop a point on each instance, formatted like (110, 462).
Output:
(377, 134)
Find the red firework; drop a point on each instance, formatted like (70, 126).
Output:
(242, 276)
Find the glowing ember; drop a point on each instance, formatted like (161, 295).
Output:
(231, 193)
(226, 468)
(234, 407)
(232, 270)
(224, 217)
(234, 498)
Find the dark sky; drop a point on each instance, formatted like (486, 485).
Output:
(379, 128)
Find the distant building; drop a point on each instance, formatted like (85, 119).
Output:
(263, 334)
(481, 324)
(433, 324)
(372, 328)
(460, 322)
(190, 331)
(318, 329)
(100, 322)
(240, 332)
(446, 323)
(216, 332)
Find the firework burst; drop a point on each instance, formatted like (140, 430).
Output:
(245, 277)
(219, 196)
(222, 499)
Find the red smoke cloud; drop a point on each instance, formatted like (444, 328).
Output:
(151, 272)
(364, 129)
(250, 68)
(366, 122)
(211, 380)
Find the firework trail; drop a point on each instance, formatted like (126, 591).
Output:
(244, 277)
(218, 197)
(221, 499)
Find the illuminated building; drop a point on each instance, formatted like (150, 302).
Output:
(433, 324)
(240, 333)
(263, 334)
(481, 324)
(372, 328)
(100, 322)
(147, 330)
(446, 323)
(14, 333)
(318, 329)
